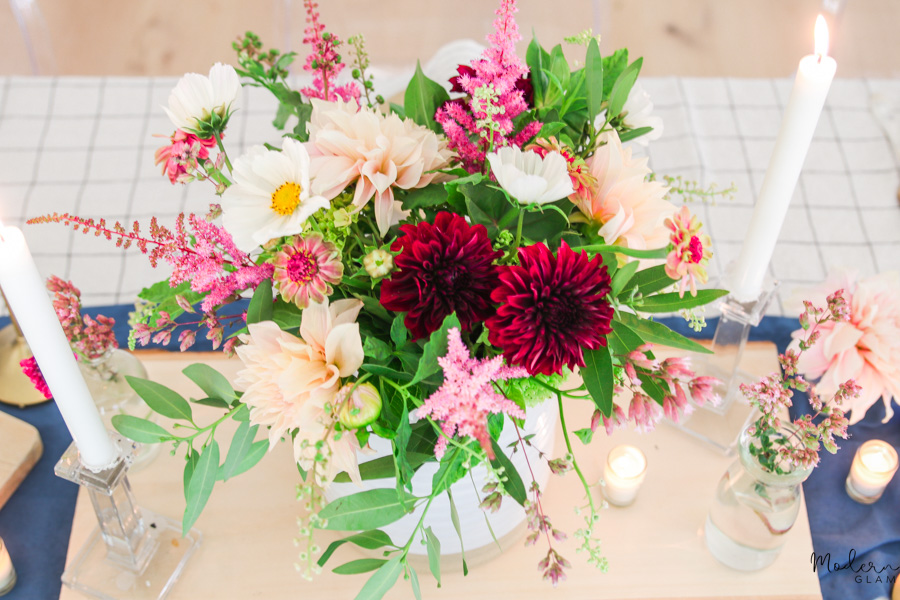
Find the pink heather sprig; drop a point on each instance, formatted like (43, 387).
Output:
(774, 393)
(672, 375)
(90, 338)
(324, 62)
(466, 397)
(31, 370)
(498, 69)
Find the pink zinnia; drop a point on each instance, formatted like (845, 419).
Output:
(442, 269)
(305, 268)
(33, 372)
(180, 157)
(688, 259)
(466, 398)
(551, 308)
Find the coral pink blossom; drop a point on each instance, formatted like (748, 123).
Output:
(865, 348)
(631, 209)
(31, 370)
(378, 152)
(290, 383)
(690, 253)
(466, 398)
(305, 268)
(179, 159)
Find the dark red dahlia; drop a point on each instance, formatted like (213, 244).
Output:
(442, 268)
(551, 307)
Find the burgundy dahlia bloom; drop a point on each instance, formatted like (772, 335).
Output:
(442, 268)
(551, 307)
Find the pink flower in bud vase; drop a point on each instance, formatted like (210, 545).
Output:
(688, 259)
(33, 372)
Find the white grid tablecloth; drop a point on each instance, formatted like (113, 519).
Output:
(85, 146)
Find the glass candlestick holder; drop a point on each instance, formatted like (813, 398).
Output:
(133, 553)
(720, 425)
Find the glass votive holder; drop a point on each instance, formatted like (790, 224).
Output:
(7, 571)
(623, 474)
(873, 468)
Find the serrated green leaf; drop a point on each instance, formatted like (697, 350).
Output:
(422, 99)
(210, 381)
(140, 430)
(201, 485)
(597, 374)
(514, 485)
(370, 540)
(657, 333)
(381, 581)
(664, 303)
(366, 510)
(161, 399)
(433, 546)
(361, 565)
(261, 308)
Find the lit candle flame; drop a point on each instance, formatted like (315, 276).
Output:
(821, 36)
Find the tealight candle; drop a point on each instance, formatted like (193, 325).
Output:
(623, 474)
(7, 572)
(873, 468)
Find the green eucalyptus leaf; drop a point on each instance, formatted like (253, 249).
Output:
(210, 381)
(514, 485)
(433, 546)
(664, 303)
(240, 446)
(631, 134)
(623, 276)
(366, 510)
(214, 402)
(454, 518)
(189, 465)
(657, 333)
(201, 485)
(161, 399)
(382, 580)
(361, 565)
(649, 281)
(370, 540)
(140, 430)
(597, 374)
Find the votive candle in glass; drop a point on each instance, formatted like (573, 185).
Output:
(623, 474)
(873, 468)
(7, 572)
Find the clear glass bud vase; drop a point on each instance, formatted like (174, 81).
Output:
(105, 377)
(754, 509)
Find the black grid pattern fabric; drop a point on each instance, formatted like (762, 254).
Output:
(85, 146)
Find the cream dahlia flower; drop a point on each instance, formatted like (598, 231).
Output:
(290, 383)
(270, 196)
(638, 111)
(378, 152)
(196, 98)
(866, 348)
(631, 209)
(529, 178)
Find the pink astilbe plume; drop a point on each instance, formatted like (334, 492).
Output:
(324, 62)
(500, 68)
(466, 398)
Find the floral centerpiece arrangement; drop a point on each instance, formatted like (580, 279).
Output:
(424, 276)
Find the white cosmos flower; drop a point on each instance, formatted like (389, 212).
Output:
(638, 111)
(529, 178)
(270, 195)
(196, 97)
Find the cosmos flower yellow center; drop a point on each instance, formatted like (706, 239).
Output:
(286, 198)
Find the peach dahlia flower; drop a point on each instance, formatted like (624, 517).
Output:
(865, 348)
(379, 152)
(290, 383)
(631, 209)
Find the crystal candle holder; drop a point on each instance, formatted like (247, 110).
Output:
(133, 553)
(720, 425)
(7, 571)
(874, 465)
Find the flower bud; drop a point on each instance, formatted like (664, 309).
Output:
(360, 407)
(378, 263)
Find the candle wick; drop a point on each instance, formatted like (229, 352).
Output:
(819, 58)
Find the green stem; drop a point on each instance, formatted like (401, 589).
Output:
(211, 426)
(565, 430)
(425, 510)
(222, 150)
(518, 232)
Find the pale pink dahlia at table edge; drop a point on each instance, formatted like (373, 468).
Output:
(865, 348)
(304, 269)
(630, 208)
(270, 196)
(290, 382)
(379, 152)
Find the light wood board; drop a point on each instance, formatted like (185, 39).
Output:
(20, 449)
(655, 547)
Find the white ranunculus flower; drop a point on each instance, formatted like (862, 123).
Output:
(270, 196)
(196, 97)
(528, 177)
(638, 111)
